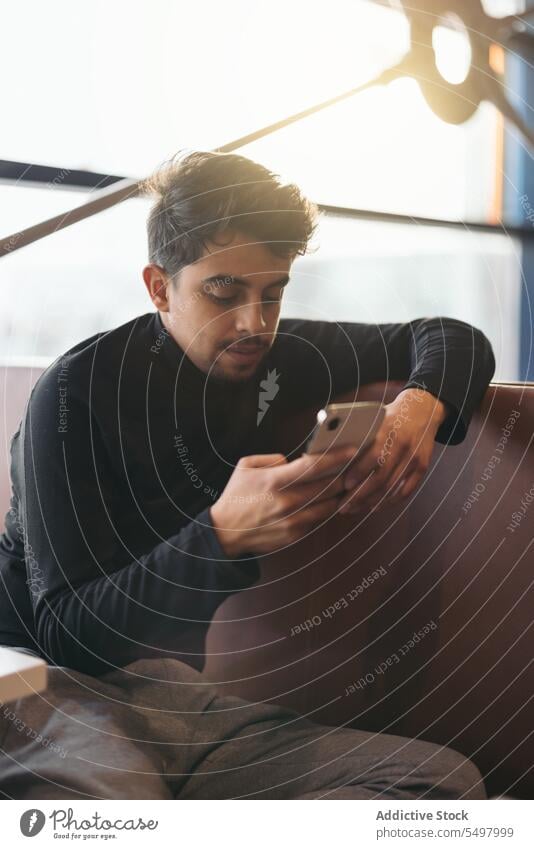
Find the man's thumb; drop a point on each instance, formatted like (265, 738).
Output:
(259, 461)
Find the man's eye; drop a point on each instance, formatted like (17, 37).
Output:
(219, 300)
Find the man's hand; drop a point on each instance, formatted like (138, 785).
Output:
(396, 462)
(269, 503)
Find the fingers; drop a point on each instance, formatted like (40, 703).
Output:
(410, 485)
(315, 466)
(403, 482)
(362, 467)
(380, 483)
(393, 494)
(317, 511)
(356, 498)
(327, 487)
(257, 461)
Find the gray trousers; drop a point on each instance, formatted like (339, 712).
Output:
(156, 729)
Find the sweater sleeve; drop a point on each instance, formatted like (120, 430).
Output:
(449, 358)
(96, 605)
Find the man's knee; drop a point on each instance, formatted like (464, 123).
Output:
(451, 775)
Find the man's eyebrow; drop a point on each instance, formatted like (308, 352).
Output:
(230, 280)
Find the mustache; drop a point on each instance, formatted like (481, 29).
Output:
(246, 343)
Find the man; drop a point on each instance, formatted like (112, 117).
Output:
(146, 483)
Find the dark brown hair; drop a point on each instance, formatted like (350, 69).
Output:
(201, 194)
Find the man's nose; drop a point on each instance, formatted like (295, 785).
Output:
(250, 318)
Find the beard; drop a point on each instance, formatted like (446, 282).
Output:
(233, 378)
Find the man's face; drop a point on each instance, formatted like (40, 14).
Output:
(223, 310)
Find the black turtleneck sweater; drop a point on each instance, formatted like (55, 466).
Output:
(109, 553)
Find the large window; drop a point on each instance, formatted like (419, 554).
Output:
(124, 86)
(87, 278)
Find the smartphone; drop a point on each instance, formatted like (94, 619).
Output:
(345, 424)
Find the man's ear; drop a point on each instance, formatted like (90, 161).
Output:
(156, 282)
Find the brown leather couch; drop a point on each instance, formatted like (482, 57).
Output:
(329, 630)
(416, 620)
